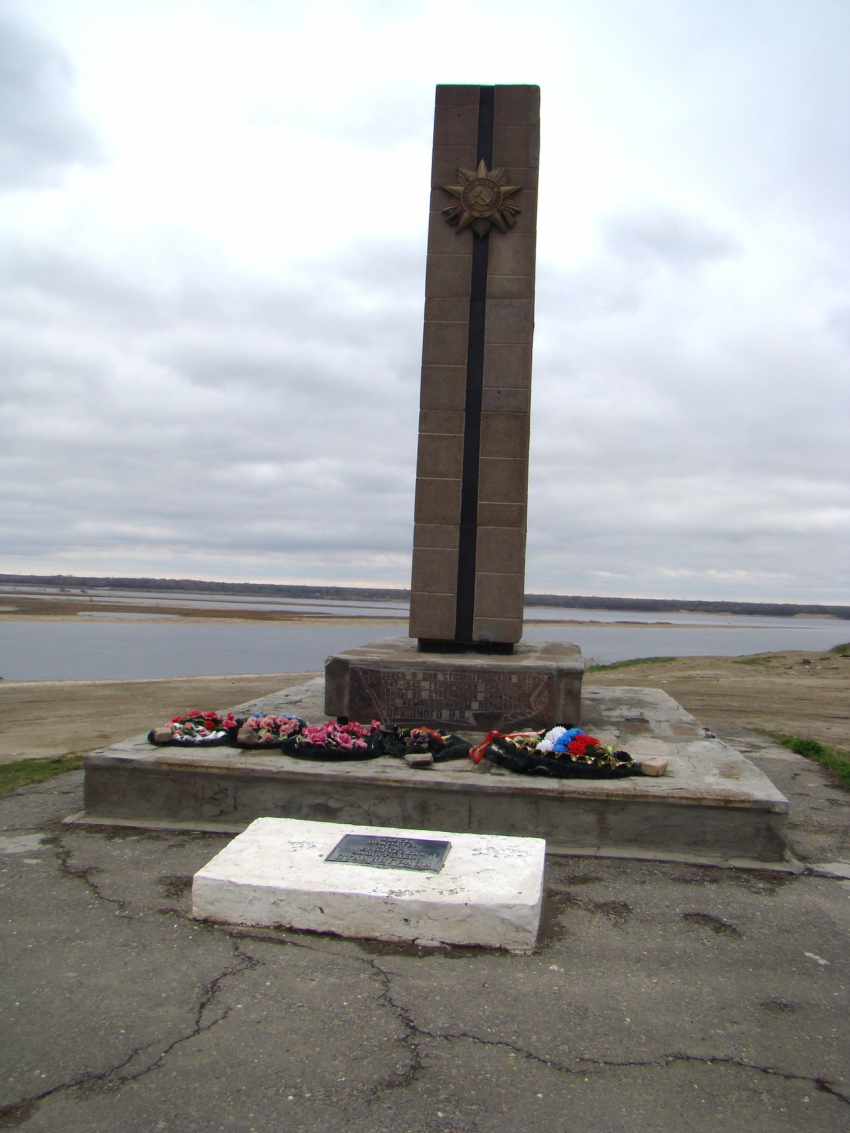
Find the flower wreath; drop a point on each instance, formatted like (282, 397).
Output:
(561, 753)
(442, 746)
(335, 741)
(268, 731)
(197, 728)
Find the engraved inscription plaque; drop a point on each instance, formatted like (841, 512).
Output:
(427, 854)
(392, 681)
(454, 696)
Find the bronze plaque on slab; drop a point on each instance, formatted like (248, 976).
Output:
(388, 852)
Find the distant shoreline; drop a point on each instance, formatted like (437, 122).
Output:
(67, 582)
(159, 616)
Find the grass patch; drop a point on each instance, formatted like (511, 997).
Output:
(24, 772)
(633, 661)
(833, 758)
(842, 650)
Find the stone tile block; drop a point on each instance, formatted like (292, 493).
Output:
(446, 160)
(503, 481)
(432, 616)
(516, 105)
(506, 400)
(510, 287)
(505, 434)
(463, 94)
(499, 596)
(526, 220)
(528, 176)
(507, 366)
(437, 501)
(501, 515)
(448, 422)
(515, 146)
(457, 125)
(443, 387)
(447, 310)
(511, 254)
(443, 536)
(500, 550)
(337, 675)
(497, 629)
(439, 456)
(448, 277)
(443, 238)
(434, 570)
(509, 321)
(444, 344)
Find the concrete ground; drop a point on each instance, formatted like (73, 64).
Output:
(661, 997)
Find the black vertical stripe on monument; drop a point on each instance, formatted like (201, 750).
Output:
(467, 546)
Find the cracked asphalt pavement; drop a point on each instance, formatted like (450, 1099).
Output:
(661, 997)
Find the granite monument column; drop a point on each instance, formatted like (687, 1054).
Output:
(464, 665)
(472, 467)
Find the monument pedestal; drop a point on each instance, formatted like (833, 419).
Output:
(711, 806)
(537, 686)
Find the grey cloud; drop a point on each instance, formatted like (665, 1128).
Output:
(226, 425)
(40, 133)
(219, 417)
(362, 119)
(668, 238)
(615, 280)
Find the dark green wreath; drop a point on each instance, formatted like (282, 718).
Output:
(443, 746)
(597, 763)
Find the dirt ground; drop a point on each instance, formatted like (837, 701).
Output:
(802, 694)
(43, 718)
(797, 693)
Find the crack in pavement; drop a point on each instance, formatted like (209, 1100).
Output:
(413, 1028)
(17, 1112)
(662, 1061)
(63, 855)
(405, 1077)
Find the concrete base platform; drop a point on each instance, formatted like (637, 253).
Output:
(712, 805)
(488, 892)
(536, 686)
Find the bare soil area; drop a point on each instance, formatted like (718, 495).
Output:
(796, 693)
(45, 718)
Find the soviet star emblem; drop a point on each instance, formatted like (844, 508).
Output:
(482, 200)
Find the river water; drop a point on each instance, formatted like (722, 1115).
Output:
(93, 649)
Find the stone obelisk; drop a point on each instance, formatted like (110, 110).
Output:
(464, 666)
(472, 468)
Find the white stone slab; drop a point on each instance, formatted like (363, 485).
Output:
(488, 892)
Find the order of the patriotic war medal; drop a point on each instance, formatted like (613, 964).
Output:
(482, 200)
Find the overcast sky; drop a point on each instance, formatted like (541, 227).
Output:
(212, 261)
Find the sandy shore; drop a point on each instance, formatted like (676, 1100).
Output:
(804, 694)
(798, 693)
(59, 607)
(42, 718)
